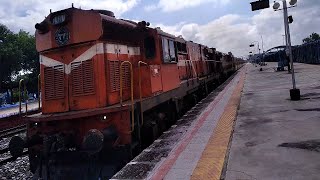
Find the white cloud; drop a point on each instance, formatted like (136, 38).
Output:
(150, 8)
(235, 32)
(231, 32)
(23, 14)
(175, 5)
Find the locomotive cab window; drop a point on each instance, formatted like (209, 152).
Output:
(182, 48)
(168, 49)
(150, 47)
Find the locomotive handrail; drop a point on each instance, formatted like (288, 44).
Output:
(25, 96)
(140, 89)
(39, 88)
(121, 90)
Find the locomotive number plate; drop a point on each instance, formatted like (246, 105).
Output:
(62, 36)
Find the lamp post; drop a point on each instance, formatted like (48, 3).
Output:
(262, 43)
(252, 45)
(262, 50)
(284, 42)
(250, 57)
(294, 93)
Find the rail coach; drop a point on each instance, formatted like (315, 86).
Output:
(111, 86)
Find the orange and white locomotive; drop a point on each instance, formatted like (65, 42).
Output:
(111, 86)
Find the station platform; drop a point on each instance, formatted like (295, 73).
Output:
(249, 129)
(14, 110)
(274, 137)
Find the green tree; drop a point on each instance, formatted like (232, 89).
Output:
(29, 59)
(10, 57)
(311, 38)
(18, 59)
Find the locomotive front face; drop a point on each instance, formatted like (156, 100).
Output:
(69, 58)
(80, 56)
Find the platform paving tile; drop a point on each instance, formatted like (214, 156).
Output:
(276, 138)
(179, 174)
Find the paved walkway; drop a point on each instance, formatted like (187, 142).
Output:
(275, 138)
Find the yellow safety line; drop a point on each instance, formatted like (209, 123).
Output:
(212, 159)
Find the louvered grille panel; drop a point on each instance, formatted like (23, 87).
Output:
(48, 85)
(59, 81)
(77, 86)
(114, 75)
(126, 76)
(82, 77)
(88, 76)
(54, 82)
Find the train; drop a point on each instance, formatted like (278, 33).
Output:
(111, 86)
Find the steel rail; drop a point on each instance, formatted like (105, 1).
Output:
(11, 159)
(12, 131)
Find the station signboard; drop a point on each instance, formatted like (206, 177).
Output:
(261, 4)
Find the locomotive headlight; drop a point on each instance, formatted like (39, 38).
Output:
(34, 124)
(104, 118)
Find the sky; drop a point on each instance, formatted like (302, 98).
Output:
(228, 25)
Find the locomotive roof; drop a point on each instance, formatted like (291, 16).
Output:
(180, 39)
(164, 33)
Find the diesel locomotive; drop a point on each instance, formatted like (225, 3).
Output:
(111, 86)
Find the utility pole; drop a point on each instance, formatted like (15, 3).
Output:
(253, 45)
(262, 50)
(263, 4)
(289, 48)
(294, 92)
(258, 5)
(262, 43)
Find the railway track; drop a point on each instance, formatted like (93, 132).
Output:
(10, 159)
(10, 133)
